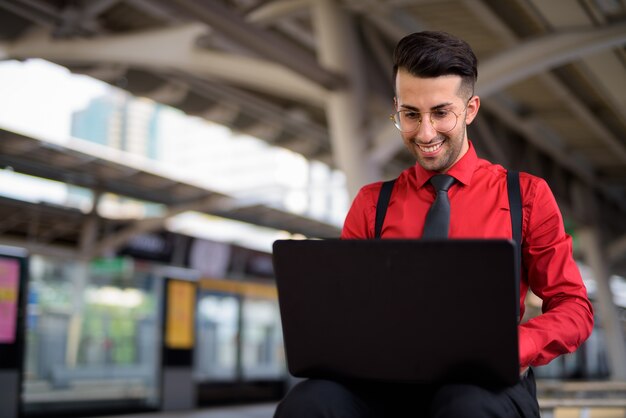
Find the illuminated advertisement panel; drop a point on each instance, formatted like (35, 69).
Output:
(9, 287)
(181, 305)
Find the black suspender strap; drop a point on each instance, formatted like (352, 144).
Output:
(515, 205)
(381, 206)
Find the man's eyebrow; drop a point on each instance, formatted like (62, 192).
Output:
(437, 107)
(442, 105)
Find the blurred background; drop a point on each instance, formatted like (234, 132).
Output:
(151, 151)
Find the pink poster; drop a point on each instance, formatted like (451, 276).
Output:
(9, 285)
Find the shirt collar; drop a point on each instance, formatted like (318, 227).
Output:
(462, 170)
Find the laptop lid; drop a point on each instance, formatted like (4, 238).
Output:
(399, 310)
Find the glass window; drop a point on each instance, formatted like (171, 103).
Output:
(262, 343)
(93, 335)
(216, 346)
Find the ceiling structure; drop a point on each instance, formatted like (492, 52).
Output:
(314, 76)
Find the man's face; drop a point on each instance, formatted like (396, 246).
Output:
(435, 151)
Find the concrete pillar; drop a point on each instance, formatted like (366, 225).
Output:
(89, 230)
(79, 280)
(615, 340)
(339, 50)
(88, 237)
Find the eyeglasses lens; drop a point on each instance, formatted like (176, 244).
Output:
(409, 121)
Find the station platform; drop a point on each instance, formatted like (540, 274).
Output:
(261, 410)
(266, 410)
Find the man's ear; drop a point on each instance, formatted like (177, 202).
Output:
(395, 103)
(472, 109)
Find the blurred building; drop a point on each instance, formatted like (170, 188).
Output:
(121, 122)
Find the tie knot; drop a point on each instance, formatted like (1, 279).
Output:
(442, 182)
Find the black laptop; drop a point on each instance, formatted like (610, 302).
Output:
(412, 311)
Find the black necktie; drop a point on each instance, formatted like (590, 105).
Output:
(438, 218)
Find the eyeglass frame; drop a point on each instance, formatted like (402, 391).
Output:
(419, 124)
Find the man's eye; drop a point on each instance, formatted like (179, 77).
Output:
(412, 115)
(440, 114)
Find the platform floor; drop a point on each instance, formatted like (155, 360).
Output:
(263, 410)
(266, 410)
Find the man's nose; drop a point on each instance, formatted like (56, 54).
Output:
(425, 132)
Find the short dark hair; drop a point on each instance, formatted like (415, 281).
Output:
(434, 54)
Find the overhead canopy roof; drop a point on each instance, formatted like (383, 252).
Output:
(45, 228)
(103, 169)
(552, 75)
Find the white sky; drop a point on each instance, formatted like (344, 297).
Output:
(38, 98)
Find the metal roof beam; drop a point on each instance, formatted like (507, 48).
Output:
(281, 15)
(116, 240)
(297, 124)
(93, 8)
(543, 54)
(145, 50)
(495, 23)
(531, 129)
(583, 114)
(45, 17)
(261, 41)
(275, 11)
(47, 249)
(393, 22)
(563, 93)
(170, 93)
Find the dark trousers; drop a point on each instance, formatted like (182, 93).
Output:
(326, 398)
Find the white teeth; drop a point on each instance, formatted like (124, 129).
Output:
(431, 148)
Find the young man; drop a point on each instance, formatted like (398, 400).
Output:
(434, 76)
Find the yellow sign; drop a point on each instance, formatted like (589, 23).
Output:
(181, 306)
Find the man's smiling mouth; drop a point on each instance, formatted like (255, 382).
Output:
(430, 148)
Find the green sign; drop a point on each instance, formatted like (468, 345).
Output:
(111, 267)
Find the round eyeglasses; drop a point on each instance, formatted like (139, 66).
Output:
(442, 120)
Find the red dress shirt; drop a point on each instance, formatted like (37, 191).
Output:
(480, 209)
